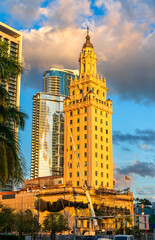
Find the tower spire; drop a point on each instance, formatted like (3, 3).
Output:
(88, 43)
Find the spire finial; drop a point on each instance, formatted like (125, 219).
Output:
(87, 30)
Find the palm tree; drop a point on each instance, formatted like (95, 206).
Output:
(12, 165)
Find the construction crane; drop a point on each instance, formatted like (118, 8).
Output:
(84, 186)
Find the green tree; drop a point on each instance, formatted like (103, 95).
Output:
(7, 218)
(12, 165)
(26, 223)
(55, 223)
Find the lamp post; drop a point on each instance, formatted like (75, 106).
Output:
(74, 222)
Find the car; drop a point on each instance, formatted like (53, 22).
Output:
(124, 237)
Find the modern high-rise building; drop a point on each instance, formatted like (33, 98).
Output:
(47, 156)
(14, 39)
(88, 113)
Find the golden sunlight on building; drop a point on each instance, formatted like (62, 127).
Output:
(88, 114)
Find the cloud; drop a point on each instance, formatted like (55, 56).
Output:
(140, 168)
(126, 149)
(145, 147)
(123, 37)
(146, 136)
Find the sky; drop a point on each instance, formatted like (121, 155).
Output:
(123, 35)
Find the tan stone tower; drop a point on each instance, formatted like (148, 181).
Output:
(89, 115)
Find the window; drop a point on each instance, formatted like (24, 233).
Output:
(106, 114)
(101, 184)
(70, 175)
(70, 121)
(70, 156)
(96, 164)
(78, 137)
(96, 154)
(95, 136)
(107, 157)
(101, 129)
(85, 182)
(85, 173)
(71, 129)
(85, 110)
(70, 165)
(78, 120)
(80, 90)
(71, 113)
(106, 131)
(95, 145)
(77, 183)
(107, 184)
(101, 165)
(107, 175)
(73, 92)
(107, 149)
(96, 128)
(78, 129)
(106, 140)
(77, 174)
(78, 146)
(101, 113)
(71, 148)
(96, 173)
(85, 136)
(101, 147)
(95, 119)
(85, 145)
(78, 112)
(85, 127)
(78, 155)
(100, 120)
(85, 119)
(103, 94)
(70, 139)
(96, 183)
(106, 123)
(97, 92)
(101, 138)
(101, 156)
(107, 166)
(85, 154)
(87, 89)
(101, 174)
(95, 110)
(85, 163)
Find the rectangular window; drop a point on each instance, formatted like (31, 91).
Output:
(101, 165)
(85, 163)
(106, 131)
(78, 137)
(70, 165)
(107, 157)
(85, 127)
(71, 148)
(71, 113)
(70, 121)
(71, 130)
(85, 173)
(96, 183)
(107, 149)
(70, 156)
(78, 129)
(85, 136)
(70, 175)
(85, 154)
(100, 120)
(95, 136)
(106, 123)
(101, 156)
(96, 154)
(77, 183)
(101, 174)
(96, 128)
(85, 110)
(101, 129)
(96, 164)
(95, 119)
(95, 110)
(107, 184)
(77, 174)
(85, 119)
(106, 114)
(96, 173)
(107, 175)
(78, 146)
(101, 138)
(101, 184)
(85, 145)
(70, 139)
(80, 90)
(101, 147)
(95, 145)
(100, 112)
(78, 112)
(78, 120)
(107, 166)
(106, 140)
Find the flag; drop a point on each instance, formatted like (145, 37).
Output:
(127, 178)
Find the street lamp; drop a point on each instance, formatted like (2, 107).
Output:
(74, 222)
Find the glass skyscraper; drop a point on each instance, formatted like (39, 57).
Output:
(47, 156)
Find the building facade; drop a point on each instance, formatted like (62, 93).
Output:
(88, 115)
(14, 39)
(47, 155)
